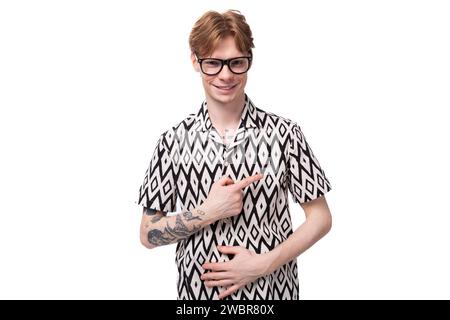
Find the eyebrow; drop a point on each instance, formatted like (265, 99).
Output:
(231, 57)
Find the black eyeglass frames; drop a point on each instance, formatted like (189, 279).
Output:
(213, 66)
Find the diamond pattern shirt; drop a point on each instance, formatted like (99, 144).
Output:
(191, 156)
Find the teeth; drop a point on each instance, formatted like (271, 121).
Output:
(225, 87)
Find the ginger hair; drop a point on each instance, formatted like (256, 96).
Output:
(213, 27)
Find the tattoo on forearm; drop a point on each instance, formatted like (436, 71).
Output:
(201, 212)
(157, 217)
(150, 212)
(188, 216)
(179, 231)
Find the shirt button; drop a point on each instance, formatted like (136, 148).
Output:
(225, 163)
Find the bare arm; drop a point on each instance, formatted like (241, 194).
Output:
(157, 229)
(224, 200)
(246, 266)
(317, 224)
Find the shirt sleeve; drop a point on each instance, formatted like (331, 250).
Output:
(158, 190)
(305, 178)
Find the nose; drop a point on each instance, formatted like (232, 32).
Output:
(225, 73)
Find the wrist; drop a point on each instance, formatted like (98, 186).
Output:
(271, 260)
(206, 213)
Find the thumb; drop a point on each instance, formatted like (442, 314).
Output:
(224, 181)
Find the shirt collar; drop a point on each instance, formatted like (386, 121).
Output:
(249, 117)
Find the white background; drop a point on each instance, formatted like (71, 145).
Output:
(87, 87)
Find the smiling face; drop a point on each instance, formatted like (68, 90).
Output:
(225, 87)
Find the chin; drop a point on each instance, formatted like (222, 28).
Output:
(224, 97)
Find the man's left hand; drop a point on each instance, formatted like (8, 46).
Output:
(245, 267)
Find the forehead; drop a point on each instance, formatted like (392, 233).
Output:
(226, 48)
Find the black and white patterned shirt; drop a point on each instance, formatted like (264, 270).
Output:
(191, 156)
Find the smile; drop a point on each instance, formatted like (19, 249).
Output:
(226, 88)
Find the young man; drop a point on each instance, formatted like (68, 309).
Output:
(230, 165)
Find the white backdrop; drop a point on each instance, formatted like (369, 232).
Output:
(87, 87)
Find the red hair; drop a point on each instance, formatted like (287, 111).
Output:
(214, 26)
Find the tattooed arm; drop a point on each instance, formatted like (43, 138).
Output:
(157, 229)
(224, 200)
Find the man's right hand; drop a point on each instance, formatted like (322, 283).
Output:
(225, 197)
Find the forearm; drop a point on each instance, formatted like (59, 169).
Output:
(306, 235)
(163, 230)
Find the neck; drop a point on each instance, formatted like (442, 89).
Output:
(225, 116)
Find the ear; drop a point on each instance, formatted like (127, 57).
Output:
(194, 62)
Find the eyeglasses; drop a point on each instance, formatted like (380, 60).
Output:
(211, 66)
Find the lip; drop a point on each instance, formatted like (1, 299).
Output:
(225, 90)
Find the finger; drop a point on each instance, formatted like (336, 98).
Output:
(219, 283)
(229, 181)
(217, 266)
(247, 181)
(229, 291)
(215, 276)
(225, 180)
(229, 249)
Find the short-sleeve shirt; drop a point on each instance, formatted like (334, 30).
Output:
(191, 156)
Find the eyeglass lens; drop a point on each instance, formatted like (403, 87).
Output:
(212, 66)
